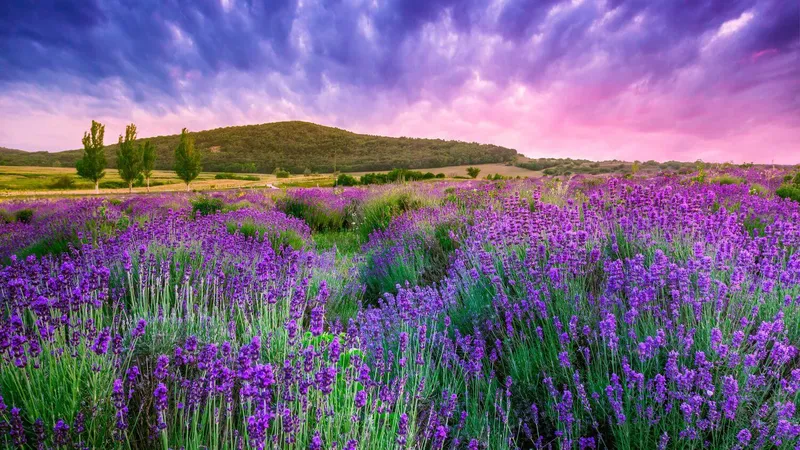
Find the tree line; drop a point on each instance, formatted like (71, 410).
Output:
(134, 160)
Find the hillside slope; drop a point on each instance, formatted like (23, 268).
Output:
(294, 146)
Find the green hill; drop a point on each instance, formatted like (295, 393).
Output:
(294, 146)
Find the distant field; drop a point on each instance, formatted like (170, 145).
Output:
(486, 169)
(23, 181)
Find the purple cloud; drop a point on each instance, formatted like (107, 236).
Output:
(696, 74)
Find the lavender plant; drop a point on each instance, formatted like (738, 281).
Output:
(645, 312)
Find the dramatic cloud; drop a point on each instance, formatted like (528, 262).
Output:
(645, 79)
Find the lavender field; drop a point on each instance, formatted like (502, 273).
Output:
(658, 311)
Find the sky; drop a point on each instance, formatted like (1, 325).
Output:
(717, 80)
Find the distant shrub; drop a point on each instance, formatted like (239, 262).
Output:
(473, 172)
(440, 175)
(402, 175)
(306, 172)
(113, 185)
(5, 217)
(374, 178)
(397, 175)
(24, 215)
(280, 173)
(206, 205)
(592, 182)
(63, 182)
(758, 189)
(540, 164)
(234, 176)
(727, 180)
(790, 191)
(346, 180)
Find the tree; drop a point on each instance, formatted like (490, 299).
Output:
(92, 164)
(473, 172)
(130, 160)
(148, 151)
(187, 160)
(635, 167)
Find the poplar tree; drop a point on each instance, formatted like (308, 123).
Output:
(187, 159)
(129, 157)
(92, 164)
(148, 151)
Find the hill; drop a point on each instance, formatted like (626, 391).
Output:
(294, 146)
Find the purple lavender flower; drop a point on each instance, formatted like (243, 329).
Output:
(563, 359)
(361, 399)
(139, 330)
(744, 436)
(17, 430)
(317, 318)
(316, 442)
(730, 391)
(100, 345)
(402, 429)
(61, 433)
(608, 330)
(132, 373)
(160, 372)
(334, 350)
(119, 399)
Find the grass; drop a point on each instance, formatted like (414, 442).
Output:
(345, 242)
(377, 213)
(236, 176)
(283, 238)
(316, 214)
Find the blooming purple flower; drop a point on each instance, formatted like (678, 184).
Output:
(316, 442)
(140, 328)
(160, 394)
(744, 436)
(160, 371)
(361, 399)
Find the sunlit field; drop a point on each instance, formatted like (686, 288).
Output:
(639, 312)
(26, 181)
(22, 181)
